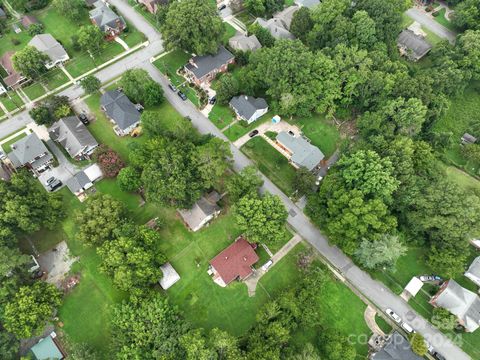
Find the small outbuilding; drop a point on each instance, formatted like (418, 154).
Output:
(468, 139)
(47, 349)
(170, 276)
(473, 272)
(414, 286)
(202, 212)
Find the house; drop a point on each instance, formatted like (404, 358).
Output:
(413, 286)
(412, 46)
(468, 139)
(170, 276)
(248, 108)
(28, 20)
(30, 152)
(79, 183)
(276, 28)
(241, 42)
(461, 302)
(107, 21)
(153, 5)
(13, 78)
(202, 212)
(307, 3)
(234, 263)
(286, 15)
(46, 43)
(396, 348)
(74, 136)
(473, 272)
(203, 69)
(121, 111)
(301, 152)
(47, 349)
(90, 3)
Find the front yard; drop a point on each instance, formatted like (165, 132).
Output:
(221, 116)
(240, 128)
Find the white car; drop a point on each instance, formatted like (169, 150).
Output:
(319, 178)
(407, 328)
(394, 316)
(267, 265)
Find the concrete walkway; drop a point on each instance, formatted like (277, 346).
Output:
(70, 77)
(252, 281)
(369, 316)
(121, 42)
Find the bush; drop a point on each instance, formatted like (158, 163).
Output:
(35, 29)
(15, 41)
(108, 160)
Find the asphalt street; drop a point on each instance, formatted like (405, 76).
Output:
(438, 29)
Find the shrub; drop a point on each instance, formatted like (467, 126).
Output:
(109, 161)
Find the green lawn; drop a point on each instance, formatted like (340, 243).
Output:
(462, 179)
(34, 91)
(132, 36)
(245, 17)
(271, 163)
(7, 41)
(7, 145)
(441, 19)
(431, 37)
(383, 324)
(221, 115)
(229, 32)
(406, 21)
(237, 130)
(321, 132)
(13, 102)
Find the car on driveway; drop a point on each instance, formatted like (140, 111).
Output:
(253, 133)
(427, 278)
(172, 87)
(49, 180)
(407, 328)
(393, 315)
(54, 185)
(83, 118)
(213, 100)
(221, 7)
(182, 95)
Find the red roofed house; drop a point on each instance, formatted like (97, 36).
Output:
(234, 263)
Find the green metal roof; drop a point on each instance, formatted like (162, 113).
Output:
(46, 349)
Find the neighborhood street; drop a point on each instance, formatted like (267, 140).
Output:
(438, 29)
(375, 291)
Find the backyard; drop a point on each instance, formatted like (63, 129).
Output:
(271, 163)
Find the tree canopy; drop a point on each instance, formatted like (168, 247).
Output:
(30, 62)
(141, 88)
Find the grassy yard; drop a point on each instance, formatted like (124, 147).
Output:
(11, 101)
(221, 115)
(34, 91)
(321, 132)
(431, 37)
(229, 32)
(406, 21)
(271, 163)
(462, 179)
(237, 130)
(442, 20)
(245, 17)
(7, 146)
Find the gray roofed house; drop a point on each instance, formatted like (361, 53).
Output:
(74, 136)
(302, 152)
(307, 3)
(47, 44)
(461, 302)
(30, 152)
(396, 348)
(286, 15)
(83, 180)
(276, 28)
(468, 139)
(202, 212)
(106, 19)
(121, 111)
(248, 108)
(412, 45)
(204, 68)
(170, 276)
(473, 272)
(242, 42)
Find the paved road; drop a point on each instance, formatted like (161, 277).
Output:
(373, 290)
(438, 29)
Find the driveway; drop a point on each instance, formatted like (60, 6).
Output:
(56, 263)
(421, 17)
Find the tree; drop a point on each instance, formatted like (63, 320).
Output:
(336, 346)
(227, 87)
(62, 111)
(132, 258)
(256, 7)
(262, 219)
(302, 23)
(129, 179)
(90, 84)
(365, 31)
(72, 9)
(314, 87)
(246, 182)
(309, 352)
(262, 34)
(468, 48)
(30, 62)
(101, 216)
(158, 329)
(90, 39)
(35, 29)
(193, 26)
(81, 351)
(471, 152)
(382, 252)
(211, 160)
(9, 346)
(467, 15)
(419, 346)
(443, 319)
(41, 115)
(195, 346)
(225, 345)
(11, 260)
(153, 125)
(32, 306)
(108, 160)
(139, 87)
(304, 180)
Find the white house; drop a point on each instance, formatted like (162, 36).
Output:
(47, 44)
(248, 108)
(473, 272)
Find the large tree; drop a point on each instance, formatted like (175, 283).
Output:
(193, 26)
(468, 47)
(444, 319)
(98, 220)
(246, 182)
(419, 346)
(301, 23)
(262, 219)
(72, 9)
(227, 87)
(141, 88)
(383, 252)
(30, 62)
(31, 307)
(90, 39)
(212, 160)
(335, 346)
(467, 15)
(90, 84)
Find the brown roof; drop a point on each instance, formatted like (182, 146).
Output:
(13, 76)
(235, 261)
(28, 20)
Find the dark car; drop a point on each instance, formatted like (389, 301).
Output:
(188, 118)
(54, 185)
(213, 100)
(182, 95)
(49, 180)
(172, 87)
(253, 133)
(83, 118)
(221, 7)
(438, 356)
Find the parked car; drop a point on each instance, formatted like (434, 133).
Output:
(49, 180)
(213, 100)
(139, 107)
(291, 132)
(407, 328)
(3, 156)
(221, 7)
(319, 178)
(426, 278)
(83, 118)
(393, 315)
(267, 265)
(438, 356)
(54, 185)
(188, 118)
(172, 87)
(182, 95)
(253, 133)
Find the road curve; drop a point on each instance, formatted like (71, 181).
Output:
(438, 29)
